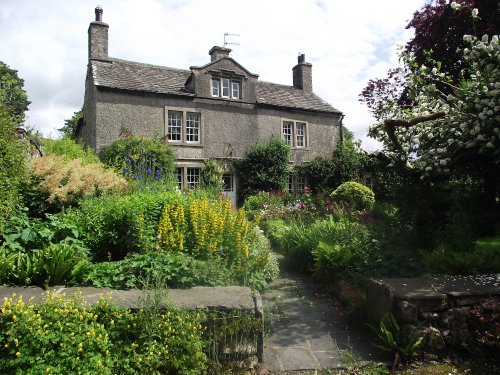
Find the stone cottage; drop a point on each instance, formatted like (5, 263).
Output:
(216, 111)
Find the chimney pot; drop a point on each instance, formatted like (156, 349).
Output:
(98, 13)
(301, 58)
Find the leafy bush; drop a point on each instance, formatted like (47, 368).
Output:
(358, 196)
(445, 260)
(43, 253)
(12, 167)
(319, 173)
(113, 226)
(67, 182)
(256, 171)
(63, 335)
(262, 200)
(391, 341)
(148, 162)
(68, 149)
(349, 246)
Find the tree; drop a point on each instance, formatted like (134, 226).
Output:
(12, 95)
(70, 125)
(439, 28)
(265, 167)
(456, 131)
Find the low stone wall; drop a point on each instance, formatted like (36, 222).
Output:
(222, 299)
(449, 312)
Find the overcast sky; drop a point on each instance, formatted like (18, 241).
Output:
(348, 42)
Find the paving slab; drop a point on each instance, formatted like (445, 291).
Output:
(307, 331)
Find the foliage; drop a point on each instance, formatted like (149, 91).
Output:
(64, 335)
(12, 167)
(69, 150)
(211, 175)
(319, 172)
(446, 260)
(13, 98)
(149, 162)
(392, 341)
(71, 125)
(348, 162)
(439, 28)
(258, 174)
(67, 182)
(36, 252)
(113, 226)
(358, 196)
(262, 200)
(347, 247)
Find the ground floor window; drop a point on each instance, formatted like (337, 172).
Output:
(297, 184)
(187, 177)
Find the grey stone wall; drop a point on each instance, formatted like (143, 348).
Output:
(225, 124)
(448, 312)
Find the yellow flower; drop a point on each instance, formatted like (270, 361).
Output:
(18, 354)
(16, 342)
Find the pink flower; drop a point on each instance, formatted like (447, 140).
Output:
(328, 202)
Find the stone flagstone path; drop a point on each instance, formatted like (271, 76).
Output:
(306, 331)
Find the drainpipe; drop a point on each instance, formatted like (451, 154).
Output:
(341, 130)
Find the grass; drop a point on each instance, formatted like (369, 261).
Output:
(488, 243)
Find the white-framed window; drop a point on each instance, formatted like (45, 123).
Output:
(235, 90)
(183, 126)
(296, 184)
(300, 134)
(174, 126)
(179, 175)
(290, 183)
(294, 133)
(228, 182)
(225, 88)
(287, 132)
(192, 127)
(215, 87)
(300, 184)
(192, 177)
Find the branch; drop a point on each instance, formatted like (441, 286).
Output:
(390, 125)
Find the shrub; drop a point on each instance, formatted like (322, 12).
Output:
(256, 171)
(148, 162)
(344, 246)
(358, 196)
(113, 226)
(262, 200)
(319, 173)
(66, 183)
(64, 335)
(12, 168)
(68, 149)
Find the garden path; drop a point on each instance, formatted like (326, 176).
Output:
(305, 330)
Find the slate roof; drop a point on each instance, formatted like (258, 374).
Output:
(133, 76)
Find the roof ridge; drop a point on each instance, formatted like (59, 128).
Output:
(113, 59)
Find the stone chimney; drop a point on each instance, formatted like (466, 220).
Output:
(98, 37)
(217, 53)
(302, 74)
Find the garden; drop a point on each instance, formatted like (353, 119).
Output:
(428, 205)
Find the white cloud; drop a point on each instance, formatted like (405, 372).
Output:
(348, 43)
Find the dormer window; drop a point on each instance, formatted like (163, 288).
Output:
(226, 88)
(235, 88)
(215, 87)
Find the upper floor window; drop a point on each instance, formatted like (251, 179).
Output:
(226, 88)
(183, 126)
(294, 133)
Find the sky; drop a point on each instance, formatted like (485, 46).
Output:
(347, 42)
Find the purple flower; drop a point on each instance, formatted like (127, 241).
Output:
(149, 171)
(158, 171)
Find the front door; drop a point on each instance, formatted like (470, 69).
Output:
(229, 187)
